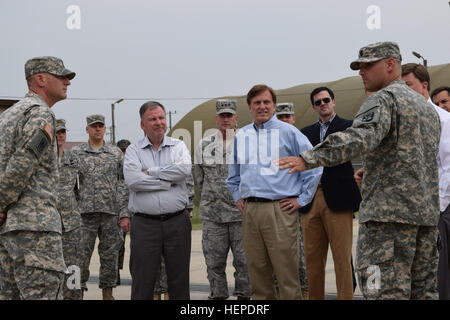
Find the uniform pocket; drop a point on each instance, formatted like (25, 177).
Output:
(44, 262)
(375, 246)
(375, 257)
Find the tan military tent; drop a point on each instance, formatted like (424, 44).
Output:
(349, 95)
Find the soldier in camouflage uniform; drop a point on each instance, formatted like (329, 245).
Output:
(100, 202)
(71, 219)
(161, 283)
(397, 132)
(31, 253)
(285, 112)
(222, 221)
(123, 145)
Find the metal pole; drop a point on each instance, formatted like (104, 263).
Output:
(418, 55)
(113, 127)
(170, 119)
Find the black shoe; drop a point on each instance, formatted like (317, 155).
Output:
(218, 298)
(243, 298)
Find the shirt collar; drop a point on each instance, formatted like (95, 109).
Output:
(266, 125)
(328, 122)
(36, 96)
(431, 102)
(91, 149)
(145, 142)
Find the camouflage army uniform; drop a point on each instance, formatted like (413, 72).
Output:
(101, 195)
(31, 255)
(397, 132)
(161, 279)
(287, 108)
(222, 221)
(123, 210)
(71, 223)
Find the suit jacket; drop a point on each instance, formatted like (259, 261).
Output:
(339, 187)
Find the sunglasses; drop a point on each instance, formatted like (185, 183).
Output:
(319, 102)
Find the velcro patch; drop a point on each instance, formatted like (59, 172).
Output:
(368, 117)
(48, 130)
(39, 142)
(369, 112)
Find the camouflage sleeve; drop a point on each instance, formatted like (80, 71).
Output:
(77, 181)
(76, 153)
(197, 169)
(190, 192)
(123, 196)
(372, 123)
(36, 137)
(122, 189)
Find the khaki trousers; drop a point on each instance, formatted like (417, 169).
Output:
(271, 247)
(321, 227)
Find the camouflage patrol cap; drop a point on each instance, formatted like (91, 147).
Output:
(60, 125)
(375, 52)
(95, 118)
(123, 144)
(226, 106)
(47, 64)
(284, 108)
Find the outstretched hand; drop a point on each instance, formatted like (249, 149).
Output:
(293, 163)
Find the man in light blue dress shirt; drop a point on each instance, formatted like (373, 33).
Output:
(268, 197)
(155, 170)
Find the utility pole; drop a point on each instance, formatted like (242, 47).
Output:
(170, 119)
(113, 126)
(420, 57)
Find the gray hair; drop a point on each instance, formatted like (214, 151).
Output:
(150, 105)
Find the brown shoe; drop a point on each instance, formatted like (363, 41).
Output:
(107, 294)
(156, 296)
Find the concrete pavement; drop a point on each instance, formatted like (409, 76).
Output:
(199, 282)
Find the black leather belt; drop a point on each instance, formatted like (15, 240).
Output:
(256, 199)
(160, 217)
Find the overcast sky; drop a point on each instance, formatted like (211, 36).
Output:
(184, 52)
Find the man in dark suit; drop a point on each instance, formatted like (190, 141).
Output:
(328, 219)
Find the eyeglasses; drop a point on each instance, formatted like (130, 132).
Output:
(319, 102)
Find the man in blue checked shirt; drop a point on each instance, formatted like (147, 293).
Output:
(267, 197)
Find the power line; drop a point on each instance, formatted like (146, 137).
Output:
(185, 98)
